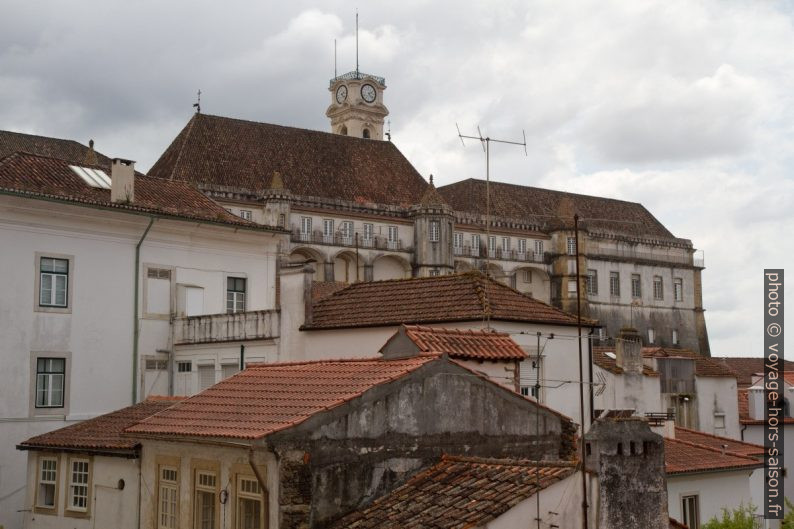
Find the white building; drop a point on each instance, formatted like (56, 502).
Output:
(97, 266)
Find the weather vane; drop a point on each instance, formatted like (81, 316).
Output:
(197, 104)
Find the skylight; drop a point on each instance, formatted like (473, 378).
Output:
(610, 354)
(92, 177)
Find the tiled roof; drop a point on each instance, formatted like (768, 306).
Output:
(607, 363)
(40, 177)
(466, 344)
(547, 208)
(745, 367)
(103, 433)
(744, 409)
(460, 297)
(266, 398)
(11, 142)
(683, 457)
(457, 493)
(675, 524)
(717, 442)
(323, 289)
(704, 366)
(219, 151)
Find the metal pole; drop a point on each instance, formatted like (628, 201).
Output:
(537, 429)
(581, 371)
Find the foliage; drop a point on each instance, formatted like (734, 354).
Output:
(788, 519)
(743, 517)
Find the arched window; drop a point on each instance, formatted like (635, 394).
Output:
(343, 130)
(365, 134)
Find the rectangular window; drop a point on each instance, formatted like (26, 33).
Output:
(184, 366)
(614, 284)
(282, 220)
(719, 421)
(572, 288)
(78, 485)
(529, 372)
(690, 511)
(393, 233)
(158, 273)
(230, 369)
(206, 376)
(505, 244)
(527, 276)
(235, 294)
(592, 282)
(250, 511)
(435, 228)
(539, 248)
(168, 503)
(368, 231)
(457, 240)
(306, 228)
(205, 500)
(346, 227)
(328, 231)
(48, 482)
(636, 286)
(245, 214)
(658, 290)
(651, 335)
(53, 282)
(435, 272)
(522, 246)
(678, 289)
(475, 245)
(675, 337)
(491, 244)
(571, 245)
(50, 382)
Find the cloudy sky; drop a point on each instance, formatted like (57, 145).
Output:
(686, 106)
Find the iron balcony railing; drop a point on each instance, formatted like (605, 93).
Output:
(237, 326)
(659, 418)
(505, 255)
(342, 239)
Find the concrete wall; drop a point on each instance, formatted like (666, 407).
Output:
(638, 392)
(109, 504)
(558, 504)
(717, 395)
(715, 491)
(754, 433)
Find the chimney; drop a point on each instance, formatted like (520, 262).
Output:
(122, 181)
(628, 351)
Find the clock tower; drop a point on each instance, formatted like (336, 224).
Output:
(357, 105)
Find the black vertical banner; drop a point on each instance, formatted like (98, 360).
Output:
(774, 389)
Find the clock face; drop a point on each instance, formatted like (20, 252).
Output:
(368, 93)
(341, 94)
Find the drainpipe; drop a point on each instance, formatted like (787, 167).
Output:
(590, 364)
(242, 357)
(260, 479)
(135, 330)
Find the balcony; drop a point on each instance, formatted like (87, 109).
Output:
(504, 255)
(697, 259)
(350, 241)
(216, 328)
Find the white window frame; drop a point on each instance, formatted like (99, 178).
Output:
(393, 237)
(571, 246)
(658, 288)
(198, 488)
(457, 242)
(203, 368)
(306, 229)
(435, 272)
(592, 282)
(614, 284)
(678, 289)
(328, 231)
(572, 287)
(246, 493)
(687, 518)
(636, 286)
(45, 382)
(168, 497)
(237, 298)
(538, 248)
(246, 214)
(77, 488)
(675, 337)
(435, 231)
(475, 244)
(52, 474)
(67, 284)
(505, 244)
(346, 230)
(527, 276)
(719, 421)
(651, 335)
(522, 246)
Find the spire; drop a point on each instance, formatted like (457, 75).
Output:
(90, 155)
(276, 181)
(432, 198)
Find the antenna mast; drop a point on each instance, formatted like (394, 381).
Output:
(197, 104)
(486, 146)
(335, 75)
(357, 43)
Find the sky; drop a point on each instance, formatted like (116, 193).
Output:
(685, 106)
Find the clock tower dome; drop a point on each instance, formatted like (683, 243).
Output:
(357, 105)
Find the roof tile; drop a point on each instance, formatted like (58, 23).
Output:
(466, 344)
(704, 366)
(717, 442)
(682, 457)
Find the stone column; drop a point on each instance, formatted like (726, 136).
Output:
(328, 271)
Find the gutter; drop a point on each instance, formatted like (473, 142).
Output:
(123, 453)
(135, 322)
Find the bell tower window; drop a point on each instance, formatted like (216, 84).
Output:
(365, 134)
(343, 130)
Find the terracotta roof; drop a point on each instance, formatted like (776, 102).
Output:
(684, 457)
(459, 297)
(675, 524)
(745, 367)
(607, 363)
(11, 142)
(457, 493)
(717, 442)
(551, 209)
(103, 433)
(466, 344)
(266, 398)
(40, 177)
(323, 289)
(744, 409)
(704, 366)
(219, 151)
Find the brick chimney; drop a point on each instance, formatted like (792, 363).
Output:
(122, 181)
(628, 351)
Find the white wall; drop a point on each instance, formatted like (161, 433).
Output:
(558, 507)
(217, 355)
(754, 433)
(715, 490)
(718, 395)
(641, 393)
(109, 506)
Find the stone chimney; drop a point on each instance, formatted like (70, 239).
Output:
(122, 181)
(628, 351)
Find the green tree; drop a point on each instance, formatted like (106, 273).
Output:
(788, 519)
(743, 517)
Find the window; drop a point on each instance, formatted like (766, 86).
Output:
(306, 228)
(250, 511)
(614, 284)
(206, 376)
(245, 214)
(505, 244)
(636, 286)
(651, 335)
(529, 371)
(392, 233)
(475, 245)
(527, 276)
(457, 240)
(156, 364)
(168, 494)
(539, 248)
(675, 337)
(235, 294)
(592, 282)
(158, 273)
(719, 421)
(690, 511)
(50, 378)
(205, 500)
(368, 232)
(48, 483)
(53, 282)
(572, 288)
(365, 134)
(491, 244)
(230, 369)
(435, 228)
(658, 291)
(328, 230)
(78, 485)
(522, 246)
(184, 367)
(435, 272)
(678, 289)
(346, 227)
(282, 220)
(571, 245)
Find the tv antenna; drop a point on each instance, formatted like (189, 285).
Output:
(357, 77)
(197, 104)
(388, 129)
(335, 74)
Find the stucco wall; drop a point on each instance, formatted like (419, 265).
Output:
(638, 392)
(717, 395)
(558, 504)
(715, 490)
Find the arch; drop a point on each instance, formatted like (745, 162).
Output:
(345, 267)
(304, 253)
(462, 266)
(494, 271)
(533, 281)
(343, 130)
(365, 134)
(390, 266)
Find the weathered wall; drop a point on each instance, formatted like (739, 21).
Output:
(715, 490)
(629, 460)
(717, 395)
(566, 493)
(362, 449)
